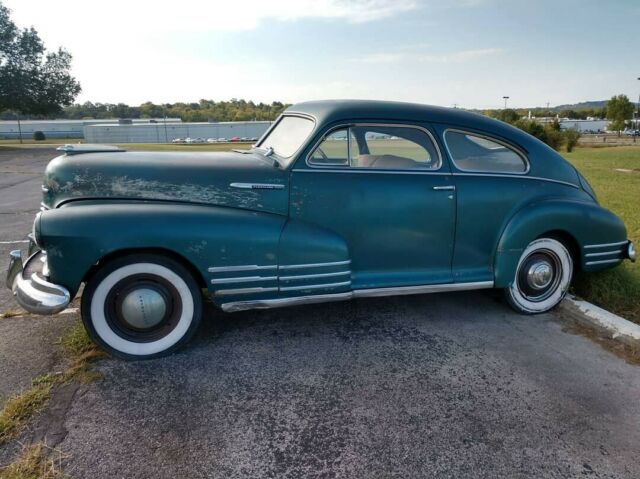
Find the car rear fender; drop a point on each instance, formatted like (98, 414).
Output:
(585, 222)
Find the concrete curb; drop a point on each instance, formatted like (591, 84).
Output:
(608, 323)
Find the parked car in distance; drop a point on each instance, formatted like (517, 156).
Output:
(212, 140)
(338, 200)
(222, 140)
(235, 139)
(177, 140)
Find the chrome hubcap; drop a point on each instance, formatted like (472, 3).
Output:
(144, 308)
(539, 275)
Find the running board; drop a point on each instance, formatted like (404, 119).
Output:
(358, 293)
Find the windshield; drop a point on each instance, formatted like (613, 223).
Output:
(287, 137)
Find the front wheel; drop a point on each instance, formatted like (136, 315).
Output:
(141, 306)
(542, 277)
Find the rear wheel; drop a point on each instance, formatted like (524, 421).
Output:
(542, 277)
(141, 306)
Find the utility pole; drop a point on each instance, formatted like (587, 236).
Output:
(166, 138)
(638, 113)
(19, 127)
(505, 98)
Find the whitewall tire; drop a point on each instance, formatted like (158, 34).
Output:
(542, 278)
(142, 306)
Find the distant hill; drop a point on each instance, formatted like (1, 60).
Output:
(583, 105)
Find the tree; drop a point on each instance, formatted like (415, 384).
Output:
(619, 110)
(572, 136)
(546, 133)
(32, 80)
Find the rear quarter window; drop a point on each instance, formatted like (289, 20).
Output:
(478, 153)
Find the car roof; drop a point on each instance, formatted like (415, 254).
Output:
(544, 161)
(330, 111)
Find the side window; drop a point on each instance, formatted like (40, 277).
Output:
(393, 147)
(373, 146)
(471, 152)
(333, 150)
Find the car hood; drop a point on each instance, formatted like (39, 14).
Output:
(203, 178)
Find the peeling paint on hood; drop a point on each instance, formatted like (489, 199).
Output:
(202, 178)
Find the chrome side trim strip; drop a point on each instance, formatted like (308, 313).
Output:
(257, 186)
(427, 288)
(323, 298)
(223, 292)
(316, 286)
(518, 176)
(246, 279)
(314, 265)
(309, 276)
(604, 245)
(603, 261)
(247, 267)
(348, 169)
(605, 253)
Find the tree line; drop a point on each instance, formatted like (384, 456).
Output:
(204, 110)
(580, 114)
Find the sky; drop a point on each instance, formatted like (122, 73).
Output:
(468, 53)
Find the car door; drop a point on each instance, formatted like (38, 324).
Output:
(386, 190)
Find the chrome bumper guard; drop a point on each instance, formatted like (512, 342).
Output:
(631, 251)
(35, 294)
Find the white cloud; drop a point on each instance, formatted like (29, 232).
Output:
(116, 52)
(460, 56)
(140, 17)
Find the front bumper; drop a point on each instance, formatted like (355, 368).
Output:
(631, 252)
(35, 293)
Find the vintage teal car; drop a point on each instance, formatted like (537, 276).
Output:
(338, 200)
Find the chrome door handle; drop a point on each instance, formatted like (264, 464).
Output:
(444, 188)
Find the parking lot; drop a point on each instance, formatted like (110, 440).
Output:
(446, 385)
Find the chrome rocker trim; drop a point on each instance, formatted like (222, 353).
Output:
(35, 294)
(358, 293)
(257, 186)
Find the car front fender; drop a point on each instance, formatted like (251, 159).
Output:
(77, 236)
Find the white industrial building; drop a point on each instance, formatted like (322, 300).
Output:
(162, 132)
(590, 125)
(9, 129)
(584, 125)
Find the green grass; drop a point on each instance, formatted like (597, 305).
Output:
(617, 290)
(79, 352)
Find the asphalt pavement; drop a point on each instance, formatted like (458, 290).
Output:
(445, 385)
